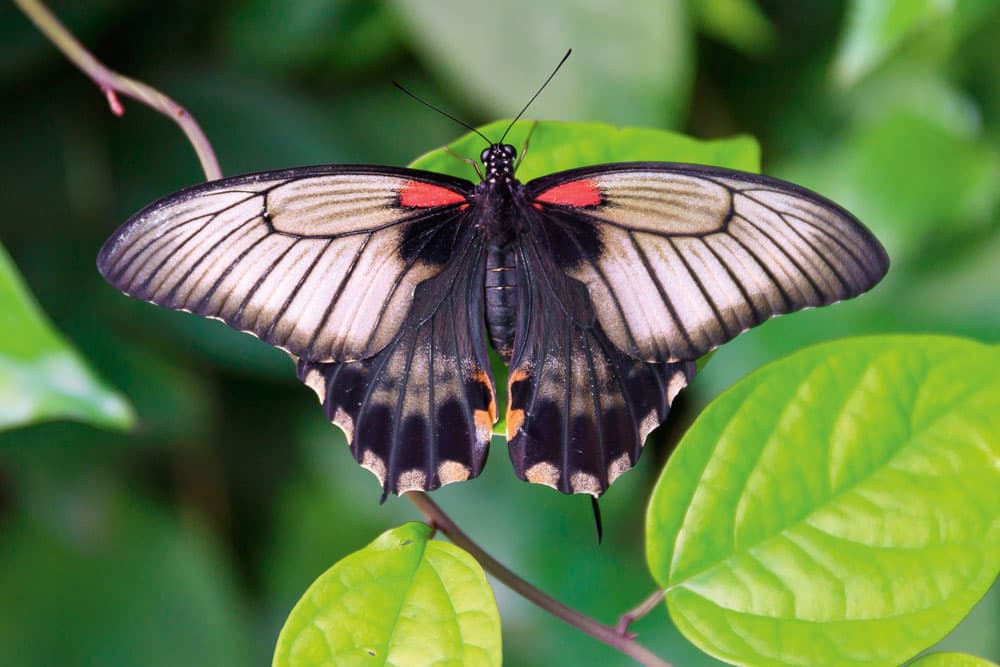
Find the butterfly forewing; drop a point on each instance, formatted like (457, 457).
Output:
(321, 262)
(679, 259)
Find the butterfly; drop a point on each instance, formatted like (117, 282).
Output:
(599, 287)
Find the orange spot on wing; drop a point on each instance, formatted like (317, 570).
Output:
(517, 375)
(484, 423)
(416, 194)
(480, 376)
(515, 417)
(575, 193)
(515, 420)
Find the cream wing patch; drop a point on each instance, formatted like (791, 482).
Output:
(689, 260)
(310, 264)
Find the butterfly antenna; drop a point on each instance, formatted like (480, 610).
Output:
(537, 93)
(597, 514)
(443, 113)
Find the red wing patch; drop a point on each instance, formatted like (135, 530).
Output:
(575, 193)
(416, 194)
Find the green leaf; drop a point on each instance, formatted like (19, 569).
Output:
(402, 600)
(632, 63)
(739, 23)
(951, 660)
(553, 146)
(837, 507)
(41, 375)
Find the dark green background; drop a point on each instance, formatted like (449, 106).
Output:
(188, 541)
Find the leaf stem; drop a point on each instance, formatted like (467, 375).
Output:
(605, 633)
(111, 83)
(640, 610)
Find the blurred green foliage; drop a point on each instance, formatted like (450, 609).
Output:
(189, 540)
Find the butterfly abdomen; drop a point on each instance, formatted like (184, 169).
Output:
(501, 299)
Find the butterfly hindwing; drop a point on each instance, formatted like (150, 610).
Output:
(321, 261)
(679, 259)
(419, 414)
(579, 407)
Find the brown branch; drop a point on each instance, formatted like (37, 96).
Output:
(111, 83)
(605, 633)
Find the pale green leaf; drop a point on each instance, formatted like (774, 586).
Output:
(402, 600)
(951, 660)
(41, 375)
(632, 62)
(556, 146)
(838, 507)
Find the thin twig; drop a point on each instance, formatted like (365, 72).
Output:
(111, 83)
(637, 612)
(605, 633)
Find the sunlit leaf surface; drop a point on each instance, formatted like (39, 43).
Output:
(838, 507)
(402, 600)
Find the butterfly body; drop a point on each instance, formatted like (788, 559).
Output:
(498, 196)
(599, 287)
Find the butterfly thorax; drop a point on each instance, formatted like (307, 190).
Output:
(498, 160)
(498, 202)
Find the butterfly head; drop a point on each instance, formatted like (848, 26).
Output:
(499, 162)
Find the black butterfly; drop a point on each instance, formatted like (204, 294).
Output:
(598, 286)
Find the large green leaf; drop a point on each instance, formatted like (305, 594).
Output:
(41, 375)
(402, 600)
(838, 507)
(632, 61)
(951, 660)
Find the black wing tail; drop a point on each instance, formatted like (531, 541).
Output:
(420, 413)
(580, 408)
